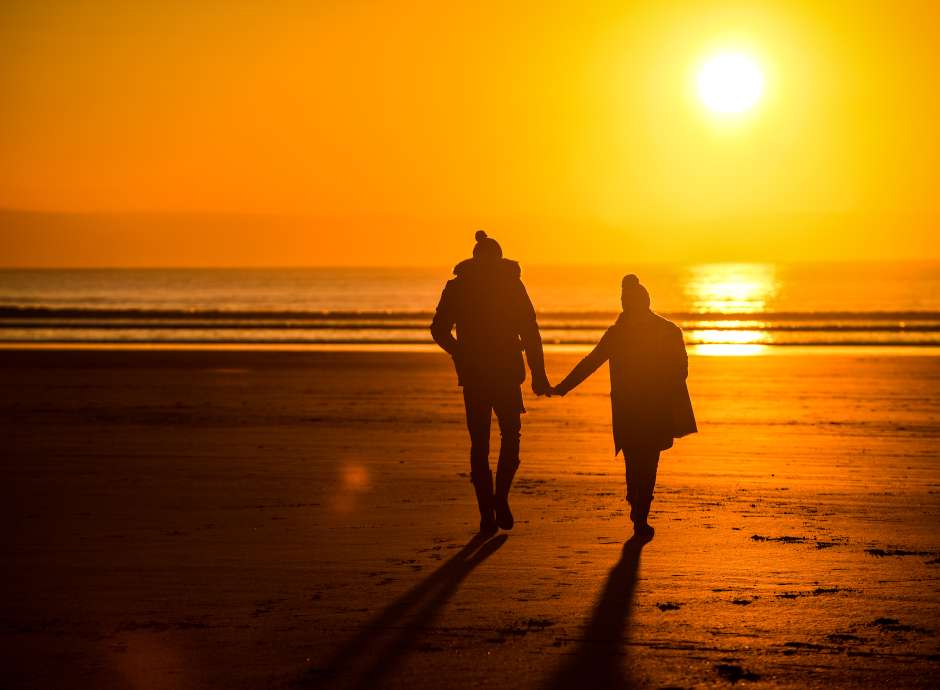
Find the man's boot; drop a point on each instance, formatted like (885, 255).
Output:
(483, 486)
(504, 475)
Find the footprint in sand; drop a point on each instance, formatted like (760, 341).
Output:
(882, 553)
(734, 673)
(893, 625)
(669, 606)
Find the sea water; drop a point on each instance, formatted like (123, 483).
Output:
(739, 307)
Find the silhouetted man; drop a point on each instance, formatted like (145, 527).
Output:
(650, 402)
(495, 321)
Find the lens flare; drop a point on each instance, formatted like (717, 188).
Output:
(353, 482)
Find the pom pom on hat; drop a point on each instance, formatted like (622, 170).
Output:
(630, 280)
(486, 247)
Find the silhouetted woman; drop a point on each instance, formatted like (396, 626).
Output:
(650, 402)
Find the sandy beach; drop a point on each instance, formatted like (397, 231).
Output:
(239, 519)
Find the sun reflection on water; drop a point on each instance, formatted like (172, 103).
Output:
(730, 289)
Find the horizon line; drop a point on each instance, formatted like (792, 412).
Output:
(537, 264)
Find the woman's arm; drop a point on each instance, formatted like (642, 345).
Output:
(586, 367)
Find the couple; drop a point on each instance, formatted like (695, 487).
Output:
(495, 322)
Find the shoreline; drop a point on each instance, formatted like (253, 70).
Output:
(699, 350)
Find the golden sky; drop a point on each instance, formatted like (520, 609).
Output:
(224, 132)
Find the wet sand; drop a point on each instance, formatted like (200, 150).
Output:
(264, 519)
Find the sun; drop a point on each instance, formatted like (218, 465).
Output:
(730, 83)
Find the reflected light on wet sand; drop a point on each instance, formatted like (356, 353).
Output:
(728, 337)
(728, 349)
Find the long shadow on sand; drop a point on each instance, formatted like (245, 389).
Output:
(420, 606)
(598, 660)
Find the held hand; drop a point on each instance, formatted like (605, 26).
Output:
(541, 386)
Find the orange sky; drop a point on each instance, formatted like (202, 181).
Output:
(348, 132)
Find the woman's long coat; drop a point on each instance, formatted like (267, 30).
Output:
(650, 403)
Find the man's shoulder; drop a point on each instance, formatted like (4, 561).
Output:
(449, 295)
(512, 268)
(475, 275)
(462, 268)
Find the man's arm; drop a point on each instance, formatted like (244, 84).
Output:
(532, 344)
(444, 320)
(586, 367)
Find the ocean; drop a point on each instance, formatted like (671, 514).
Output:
(729, 308)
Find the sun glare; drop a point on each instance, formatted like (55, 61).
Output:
(731, 288)
(730, 83)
